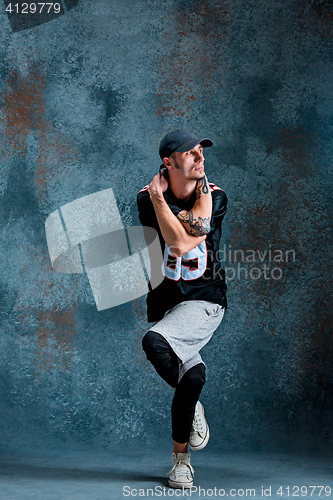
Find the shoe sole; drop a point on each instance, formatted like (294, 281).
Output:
(174, 484)
(203, 444)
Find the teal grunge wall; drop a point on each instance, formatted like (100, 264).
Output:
(85, 100)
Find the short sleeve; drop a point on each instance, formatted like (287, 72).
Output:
(146, 210)
(219, 206)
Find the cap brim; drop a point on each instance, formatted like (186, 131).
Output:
(187, 146)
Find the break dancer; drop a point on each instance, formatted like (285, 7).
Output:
(189, 304)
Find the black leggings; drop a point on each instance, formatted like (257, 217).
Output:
(188, 390)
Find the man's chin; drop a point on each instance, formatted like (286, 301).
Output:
(198, 177)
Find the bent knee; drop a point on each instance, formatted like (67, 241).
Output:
(196, 376)
(150, 341)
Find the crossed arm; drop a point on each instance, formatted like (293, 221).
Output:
(189, 228)
(197, 220)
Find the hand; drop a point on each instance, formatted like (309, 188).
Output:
(158, 185)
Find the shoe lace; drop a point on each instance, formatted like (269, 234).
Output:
(197, 424)
(182, 468)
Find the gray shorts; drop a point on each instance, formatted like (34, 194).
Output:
(187, 327)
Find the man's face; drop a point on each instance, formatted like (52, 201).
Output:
(189, 165)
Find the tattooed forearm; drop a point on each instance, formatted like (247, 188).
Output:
(186, 217)
(197, 220)
(197, 227)
(200, 227)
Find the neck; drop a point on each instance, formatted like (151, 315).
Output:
(182, 188)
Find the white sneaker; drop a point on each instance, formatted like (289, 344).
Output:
(200, 431)
(181, 473)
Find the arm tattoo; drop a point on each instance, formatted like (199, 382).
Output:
(185, 218)
(202, 187)
(198, 227)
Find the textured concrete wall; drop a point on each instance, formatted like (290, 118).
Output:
(85, 100)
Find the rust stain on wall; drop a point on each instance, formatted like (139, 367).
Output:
(23, 114)
(55, 339)
(23, 109)
(316, 16)
(187, 70)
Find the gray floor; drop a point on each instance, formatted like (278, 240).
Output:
(103, 475)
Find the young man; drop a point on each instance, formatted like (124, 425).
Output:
(188, 306)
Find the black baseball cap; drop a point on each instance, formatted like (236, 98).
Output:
(180, 140)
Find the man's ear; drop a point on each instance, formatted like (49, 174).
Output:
(167, 162)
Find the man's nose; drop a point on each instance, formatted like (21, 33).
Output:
(199, 156)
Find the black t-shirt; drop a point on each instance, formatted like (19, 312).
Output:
(198, 275)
